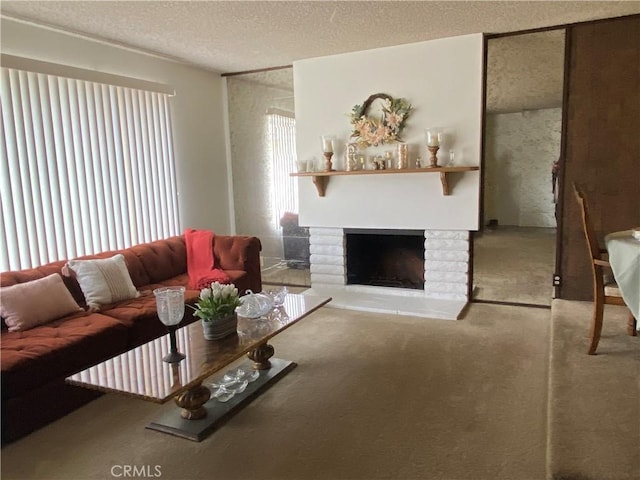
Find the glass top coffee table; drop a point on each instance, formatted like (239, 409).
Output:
(141, 373)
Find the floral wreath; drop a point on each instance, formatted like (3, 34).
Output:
(368, 131)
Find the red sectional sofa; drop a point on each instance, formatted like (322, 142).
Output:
(35, 362)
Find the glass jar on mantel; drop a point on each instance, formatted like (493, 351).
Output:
(402, 156)
(386, 159)
(350, 161)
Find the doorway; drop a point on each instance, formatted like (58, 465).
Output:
(514, 250)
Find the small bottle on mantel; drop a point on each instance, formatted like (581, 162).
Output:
(418, 162)
(388, 159)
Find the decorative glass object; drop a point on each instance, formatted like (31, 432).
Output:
(254, 305)
(350, 162)
(302, 166)
(388, 160)
(402, 160)
(327, 143)
(233, 383)
(170, 306)
(433, 137)
(277, 296)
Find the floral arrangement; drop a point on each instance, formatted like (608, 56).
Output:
(218, 301)
(369, 131)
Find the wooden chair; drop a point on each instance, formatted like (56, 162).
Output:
(604, 291)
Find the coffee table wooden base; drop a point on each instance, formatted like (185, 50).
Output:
(216, 412)
(191, 402)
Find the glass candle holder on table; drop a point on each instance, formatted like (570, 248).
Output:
(170, 306)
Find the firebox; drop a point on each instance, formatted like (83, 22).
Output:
(386, 258)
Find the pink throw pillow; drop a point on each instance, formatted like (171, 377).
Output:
(27, 305)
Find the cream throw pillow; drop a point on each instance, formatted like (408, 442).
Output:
(104, 280)
(29, 304)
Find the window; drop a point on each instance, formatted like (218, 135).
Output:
(282, 134)
(86, 167)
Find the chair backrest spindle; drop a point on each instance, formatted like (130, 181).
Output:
(587, 224)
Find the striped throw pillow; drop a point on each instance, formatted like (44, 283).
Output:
(103, 281)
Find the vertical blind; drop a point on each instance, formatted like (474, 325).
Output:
(282, 133)
(86, 167)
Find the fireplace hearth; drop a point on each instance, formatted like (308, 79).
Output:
(385, 258)
(443, 273)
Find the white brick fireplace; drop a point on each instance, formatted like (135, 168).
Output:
(442, 79)
(446, 266)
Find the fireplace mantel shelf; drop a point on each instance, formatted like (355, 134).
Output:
(321, 179)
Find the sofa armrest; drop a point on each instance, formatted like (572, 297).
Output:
(240, 253)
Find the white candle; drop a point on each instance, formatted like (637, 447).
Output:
(433, 139)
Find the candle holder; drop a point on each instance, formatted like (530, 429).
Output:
(328, 166)
(433, 158)
(170, 306)
(327, 151)
(433, 139)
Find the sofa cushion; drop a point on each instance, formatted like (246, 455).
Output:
(21, 276)
(236, 254)
(29, 304)
(103, 280)
(140, 315)
(163, 259)
(58, 349)
(135, 267)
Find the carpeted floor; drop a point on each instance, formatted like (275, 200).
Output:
(380, 397)
(514, 264)
(374, 396)
(594, 402)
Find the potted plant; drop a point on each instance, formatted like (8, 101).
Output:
(216, 308)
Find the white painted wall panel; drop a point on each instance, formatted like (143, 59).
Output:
(443, 81)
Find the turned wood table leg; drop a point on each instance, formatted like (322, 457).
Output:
(260, 356)
(191, 402)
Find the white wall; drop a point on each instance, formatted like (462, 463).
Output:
(520, 151)
(197, 111)
(442, 79)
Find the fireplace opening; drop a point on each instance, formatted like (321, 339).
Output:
(385, 258)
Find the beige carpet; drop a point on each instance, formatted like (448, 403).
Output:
(594, 403)
(514, 264)
(374, 397)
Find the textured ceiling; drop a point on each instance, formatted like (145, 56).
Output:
(524, 72)
(231, 36)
